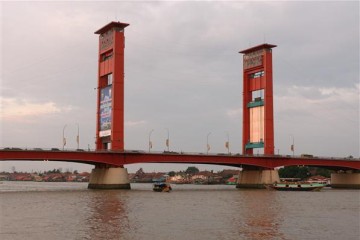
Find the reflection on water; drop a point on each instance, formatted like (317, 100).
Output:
(107, 214)
(60, 211)
(261, 214)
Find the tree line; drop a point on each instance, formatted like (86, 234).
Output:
(303, 172)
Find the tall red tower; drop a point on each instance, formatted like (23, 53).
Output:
(110, 91)
(258, 117)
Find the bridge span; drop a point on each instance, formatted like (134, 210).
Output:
(121, 158)
(258, 127)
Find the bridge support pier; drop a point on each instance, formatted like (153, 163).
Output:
(257, 178)
(345, 180)
(105, 177)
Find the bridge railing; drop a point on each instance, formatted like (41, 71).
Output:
(135, 151)
(42, 149)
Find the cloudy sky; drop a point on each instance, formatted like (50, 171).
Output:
(183, 72)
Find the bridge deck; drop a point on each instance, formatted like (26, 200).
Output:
(120, 158)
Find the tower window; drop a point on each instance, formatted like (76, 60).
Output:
(109, 79)
(257, 95)
(106, 56)
(256, 75)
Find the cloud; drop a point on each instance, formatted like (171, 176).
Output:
(322, 107)
(25, 110)
(234, 113)
(135, 123)
(345, 95)
(310, 97)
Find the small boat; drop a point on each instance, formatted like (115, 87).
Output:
(296, 186)
(162, 187)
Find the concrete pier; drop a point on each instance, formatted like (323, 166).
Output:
(109, 178)
(345, 180)
(257, 178)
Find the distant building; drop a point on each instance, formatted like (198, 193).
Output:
(233, 180)
(318, 179)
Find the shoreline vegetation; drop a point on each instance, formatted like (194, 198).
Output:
(191, 175)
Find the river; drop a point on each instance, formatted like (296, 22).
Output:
(40, 210)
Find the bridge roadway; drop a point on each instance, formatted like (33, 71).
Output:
(121, 158)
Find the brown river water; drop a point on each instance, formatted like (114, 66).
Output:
(31, 210)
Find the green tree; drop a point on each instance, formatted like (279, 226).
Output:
(192, 170)
(294, 172)
(323, 172)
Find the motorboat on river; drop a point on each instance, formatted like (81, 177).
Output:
(161, 187)
(296, 186)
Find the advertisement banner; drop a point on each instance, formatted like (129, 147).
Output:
(257, 125)
(105, 111)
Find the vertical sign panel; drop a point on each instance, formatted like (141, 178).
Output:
(105, 111)
(257, 124)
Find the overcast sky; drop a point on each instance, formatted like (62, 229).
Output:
(183, 72)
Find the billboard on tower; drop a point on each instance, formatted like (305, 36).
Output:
(105, 111)
(257, 124)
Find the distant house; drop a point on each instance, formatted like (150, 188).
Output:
(36, 177)
(131, 176)
(233, 180)
(54, 177)
(20, 177)
(206, 177)
(159, 177)
(180, 179)
(83, 177)
(226, 173)
(71, 177)
(318, 179)
(24, 177)
(4, 177)
(141, 177)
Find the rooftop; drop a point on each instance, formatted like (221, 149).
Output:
(258, 47)
(110, 26)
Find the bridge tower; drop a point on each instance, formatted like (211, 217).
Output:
(258, 117)
(110, 105)
(110, 89)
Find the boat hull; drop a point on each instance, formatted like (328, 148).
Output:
(296, 187)
(162, 187)
(308, 189)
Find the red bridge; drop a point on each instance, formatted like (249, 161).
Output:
(121, 158)
(258, 167)
(258, 128)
